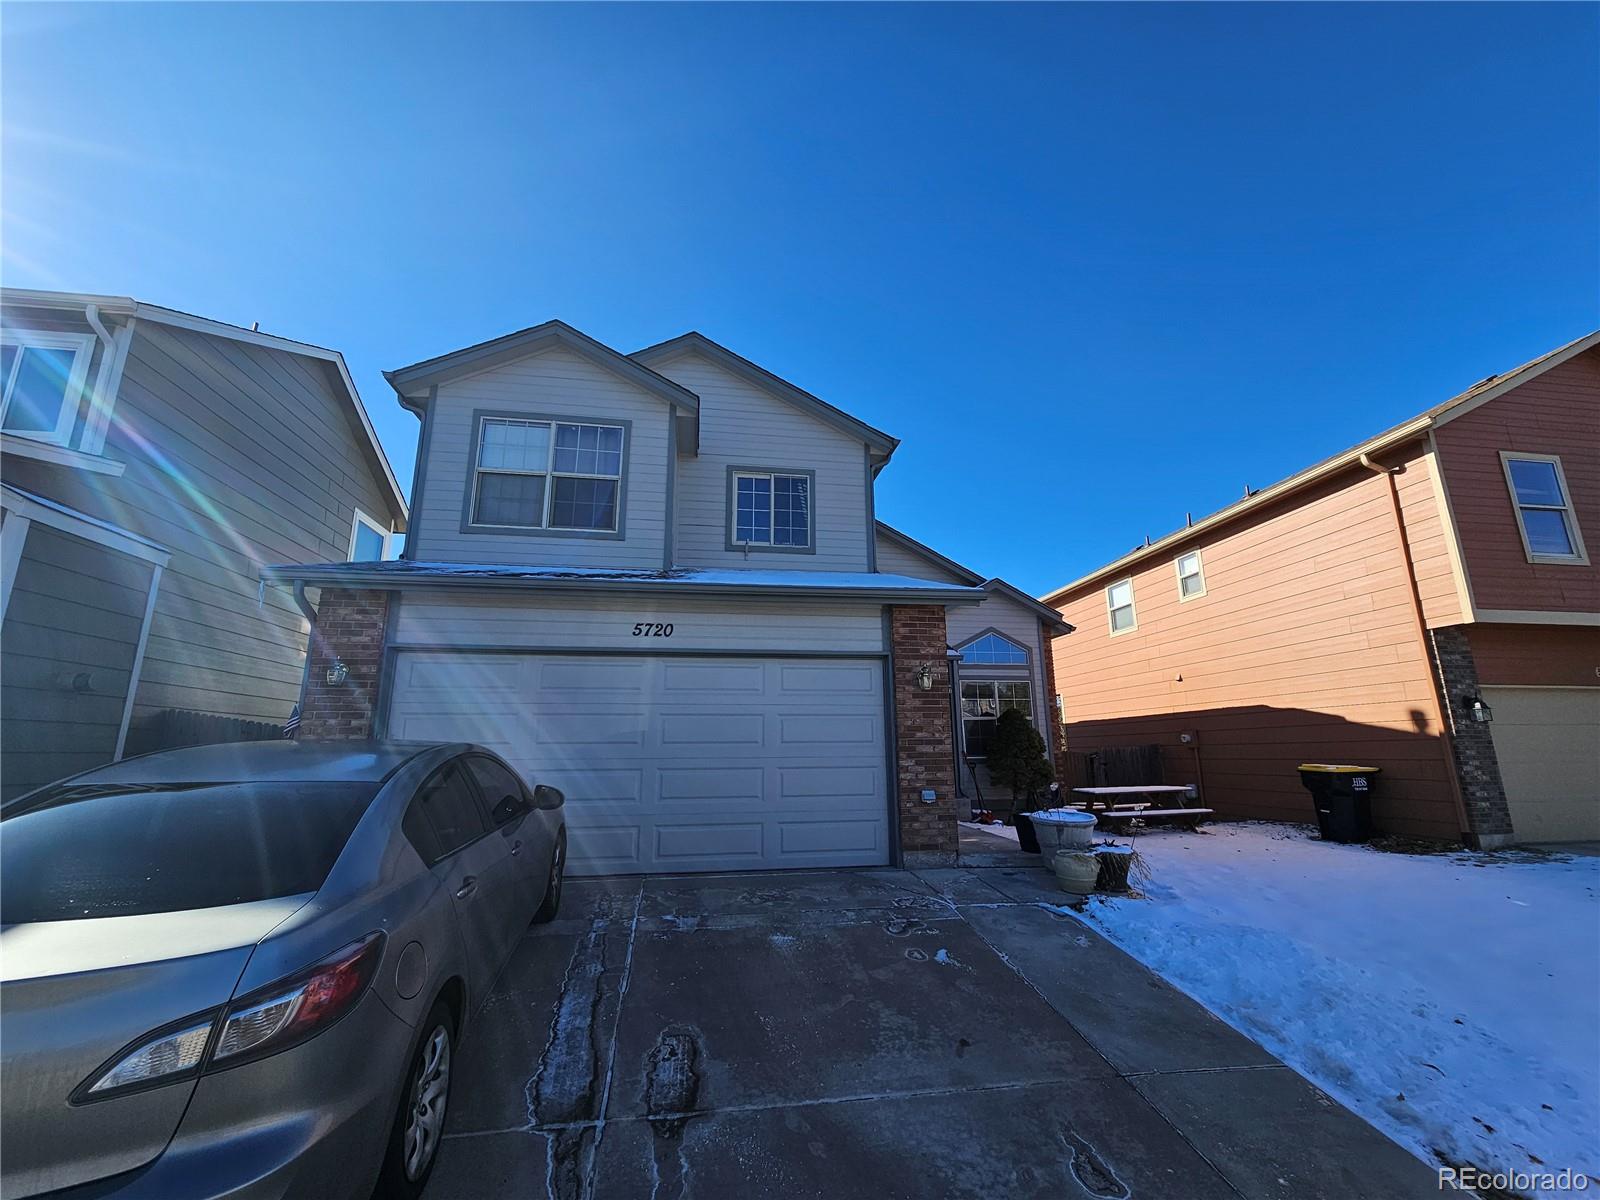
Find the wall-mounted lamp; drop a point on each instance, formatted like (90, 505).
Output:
(925, 677)
(1478, 710)
(337, 673)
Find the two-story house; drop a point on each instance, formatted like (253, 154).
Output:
(654, 582)
(150, 463)
(1424, 603)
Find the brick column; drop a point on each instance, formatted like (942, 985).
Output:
(1471, 742)
(349, 630)
(923, 737)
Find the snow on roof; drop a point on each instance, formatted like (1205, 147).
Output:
(401, 573)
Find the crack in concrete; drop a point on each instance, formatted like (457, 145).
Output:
(672, 1088)
(1089, 1169)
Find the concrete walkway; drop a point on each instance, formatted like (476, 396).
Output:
(873, 1034)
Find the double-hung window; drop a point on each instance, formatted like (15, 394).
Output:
(1544, 508)
(982, 702)
(42, 374)
(1191, 576)
(1119, 607)
(556, 475)
(772, 509)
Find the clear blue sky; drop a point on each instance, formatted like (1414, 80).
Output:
(1096, 266)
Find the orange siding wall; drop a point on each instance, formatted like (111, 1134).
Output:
(1556, 413)
(1304, 646)
(1536, 655)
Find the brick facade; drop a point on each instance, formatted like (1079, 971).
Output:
(349, 629)
(1471, 742)
(923, 737)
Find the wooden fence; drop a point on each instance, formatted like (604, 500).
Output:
(1113, 766)
(174, 728)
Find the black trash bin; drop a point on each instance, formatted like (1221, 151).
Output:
(1342, 796)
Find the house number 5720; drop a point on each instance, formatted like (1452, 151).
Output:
(652, 629)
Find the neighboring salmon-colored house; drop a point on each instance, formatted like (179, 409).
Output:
(1375, 609)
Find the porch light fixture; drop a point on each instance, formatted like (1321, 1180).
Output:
(1478, 710)
(337, 673)
(925, 677)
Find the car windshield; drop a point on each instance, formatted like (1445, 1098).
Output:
(83, 851)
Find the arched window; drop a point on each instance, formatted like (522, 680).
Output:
(993, 650)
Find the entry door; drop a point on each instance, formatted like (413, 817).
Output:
(675, 763)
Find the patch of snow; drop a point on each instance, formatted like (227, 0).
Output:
(944, 959)
(1453, 1000)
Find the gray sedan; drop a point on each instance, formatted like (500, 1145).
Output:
(242, 970)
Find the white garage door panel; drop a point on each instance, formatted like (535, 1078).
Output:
(1547, 741)
(675, 764)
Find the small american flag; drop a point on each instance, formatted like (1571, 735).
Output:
(292, 725)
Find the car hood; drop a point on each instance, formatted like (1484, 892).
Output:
(73, 996)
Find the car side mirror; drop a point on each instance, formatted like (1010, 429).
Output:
(546, 796)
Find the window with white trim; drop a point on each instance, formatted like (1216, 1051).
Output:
(369, 541)
(1544, 508)
(1191, 576)
(994, 650)
(771, 508)
(547, 475)
(1119, 607)
(982, 702)
(42, 374)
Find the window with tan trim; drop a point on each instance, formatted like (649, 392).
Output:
(1119, 607)
(1543, 505)
(1191, 575)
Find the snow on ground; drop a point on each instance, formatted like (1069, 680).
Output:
(1453, 1000)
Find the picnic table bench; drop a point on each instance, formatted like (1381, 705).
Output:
(1103, 803)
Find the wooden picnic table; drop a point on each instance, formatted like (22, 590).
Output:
(1111, 809)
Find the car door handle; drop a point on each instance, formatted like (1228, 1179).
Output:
(469, 885)
(516, 848)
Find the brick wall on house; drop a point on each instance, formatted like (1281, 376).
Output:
(349, 629)
(1471, 742)
(923, 734)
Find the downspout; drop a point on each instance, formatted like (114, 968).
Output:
(1440, 699)
(310, 613)
(102, 377)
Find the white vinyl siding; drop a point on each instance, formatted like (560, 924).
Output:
(742, 426)
(550, 383)
(895, 559)
(589, 621)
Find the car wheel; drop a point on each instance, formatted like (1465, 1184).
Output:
(552, 890)
(424, 1101)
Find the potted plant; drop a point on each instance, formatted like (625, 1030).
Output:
(1017, 760)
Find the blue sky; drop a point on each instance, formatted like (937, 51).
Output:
(1096, 266)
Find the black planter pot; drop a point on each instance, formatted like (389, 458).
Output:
(1027, 839)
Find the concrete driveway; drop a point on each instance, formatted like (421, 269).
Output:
(873, 1033)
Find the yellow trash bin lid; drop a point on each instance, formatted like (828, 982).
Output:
(1339, 769)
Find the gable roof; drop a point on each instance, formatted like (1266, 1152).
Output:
(412, 383)
(126, 306)
(760, 377)
(1459, 405)
(971, 578)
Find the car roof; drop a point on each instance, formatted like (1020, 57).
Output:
(284, 761)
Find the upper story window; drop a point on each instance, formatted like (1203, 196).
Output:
(1119, 607)
(1191, 576)
(547, 474)
(369, 541)
(994, 650)
(1544, 508)
(43, 374)
(771, 510)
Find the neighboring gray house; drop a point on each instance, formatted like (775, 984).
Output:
(150, 463)
(655, 582)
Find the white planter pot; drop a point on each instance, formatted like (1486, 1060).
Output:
(1062, 829)
(1076, 872)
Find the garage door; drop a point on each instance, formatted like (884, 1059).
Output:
(1546, 741)
(675, 764)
